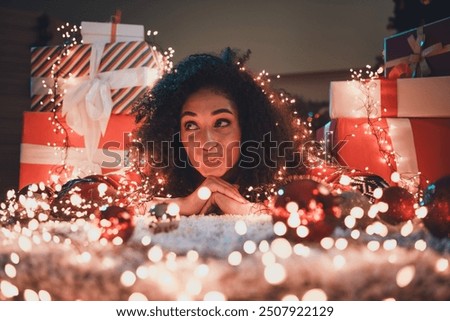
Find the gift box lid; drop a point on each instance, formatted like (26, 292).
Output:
(431, 42)
(101, 32)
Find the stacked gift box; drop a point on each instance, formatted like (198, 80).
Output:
(86, 129)
(394, 124)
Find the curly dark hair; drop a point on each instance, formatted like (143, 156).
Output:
(158, 114)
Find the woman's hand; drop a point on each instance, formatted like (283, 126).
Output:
(230, 206)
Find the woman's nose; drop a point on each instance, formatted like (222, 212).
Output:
(207, 138)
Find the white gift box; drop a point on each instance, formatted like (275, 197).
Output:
(405, 97)
(102, 32)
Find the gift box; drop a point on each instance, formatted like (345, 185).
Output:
(99, 32)
(404, 97)
(420, 144)
(426, 49)
(110, 76)
(43, 150)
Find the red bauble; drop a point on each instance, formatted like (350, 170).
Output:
(437, 200)
(308, 209)
(115, 222)
(400, 205)
(79, 198)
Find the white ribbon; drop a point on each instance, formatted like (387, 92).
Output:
(87, 101)
(72, 156)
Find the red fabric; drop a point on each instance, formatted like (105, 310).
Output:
(388, 99)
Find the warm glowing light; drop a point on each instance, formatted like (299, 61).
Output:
(315, 295)
(275, 273)
(355, 234)
(8, 289)
(155, 254)
(327, 243)
(349, 221)
(377, 193)
(357, 212)
(14, 257)
(146, 240)
(345, 180)
(281, 248)
(341, 244)
(192, 256)
(173, 209)
(405, 275)
(25, 243)
(30, 295)
(44, 295)
(268, 258)
(204, 193)
(421, 212)
(142, 272)
(390, 245)
(264, 246)
(214, 296)
(373, 245)
(292, 207)
(339, 262)
(240, 227)
(302, 231)
(302, 250)
(293, 220)
(395, 177)
(407, 228)
(441, 265)
(137, 296)
(10, 271)
(202, 270)
(249, 247)
(128, 278)
(279, 228)
(420, 245)
(289, 297)
(235, 258)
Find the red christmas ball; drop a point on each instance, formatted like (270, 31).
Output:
(396, 205)
(79, 198)
(115, 222)
(437, 201)
(308, 209)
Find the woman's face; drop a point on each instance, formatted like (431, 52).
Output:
(210, 132)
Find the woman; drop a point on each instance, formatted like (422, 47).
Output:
(217, 139)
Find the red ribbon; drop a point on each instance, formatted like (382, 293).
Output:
(115, 20)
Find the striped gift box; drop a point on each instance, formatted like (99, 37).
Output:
(128, 67)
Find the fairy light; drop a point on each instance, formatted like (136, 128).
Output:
(315, 295)
(240, 227)
(137, 296)
(249, 247)
(235, 258)
(405, 275)
(275, 273)
(214, 296)
(127, 278)
(281, 248)
(441, 265)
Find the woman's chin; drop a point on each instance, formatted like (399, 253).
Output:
(217, 172)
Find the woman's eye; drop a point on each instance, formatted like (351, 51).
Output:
(190, 125)
(222, 123)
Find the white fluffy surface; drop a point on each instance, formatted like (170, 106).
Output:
(85, 270)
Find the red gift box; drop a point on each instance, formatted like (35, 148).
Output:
(425, 49)
(421, 145)
(118, 72)
(405, 97)
(43, 151)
